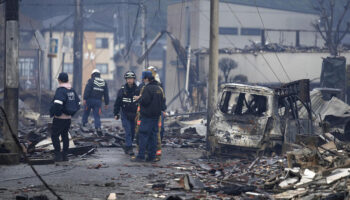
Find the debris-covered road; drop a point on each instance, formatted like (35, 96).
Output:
(107, 171)
(315, 167)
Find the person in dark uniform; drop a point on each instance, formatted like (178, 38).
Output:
(161, 120)
(128, 106)
(151, 101)
(64, 105)
(95, 89)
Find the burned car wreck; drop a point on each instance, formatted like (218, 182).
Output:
(256, 118)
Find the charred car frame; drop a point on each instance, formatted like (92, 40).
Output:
(257, 118)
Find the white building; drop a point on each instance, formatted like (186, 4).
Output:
(241, 23)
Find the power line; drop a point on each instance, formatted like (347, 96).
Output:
(234, 14)
(73, 5)
(133, 33)
(262, 22)
(268, 64)
(245, 56)
(14, 137)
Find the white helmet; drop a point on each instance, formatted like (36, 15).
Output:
(95, 71)
(152, 68)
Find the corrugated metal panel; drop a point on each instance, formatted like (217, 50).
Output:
(333, 107)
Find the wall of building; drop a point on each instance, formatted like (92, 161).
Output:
(297, 65)
(255, 68)
(248, 17)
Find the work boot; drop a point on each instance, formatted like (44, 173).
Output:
(152, 160)
(84, 128)
(64, 156)
(136, 159)
(99, 131)
(126, 150)
(157, 159)
(131, 152)
(58, 157)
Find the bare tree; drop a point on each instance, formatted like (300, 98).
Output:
(226, 65)
(329, 29)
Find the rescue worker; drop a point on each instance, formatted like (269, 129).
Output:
(95, 89)
(64, 105)
(161, 119)
(151, 101)
(127, 103)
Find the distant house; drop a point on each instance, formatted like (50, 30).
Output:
(98, 47)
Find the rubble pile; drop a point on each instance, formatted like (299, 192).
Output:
(185, 133)
(110, 136)
(34, 134)
(316, 167)
(316, 171)
(306, 172)
(256, 48)
(83, 140)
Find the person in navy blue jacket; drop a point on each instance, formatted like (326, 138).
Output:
(151, 102)
(95, 89)
(64, 105)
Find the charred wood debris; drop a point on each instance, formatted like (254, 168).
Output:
(315, 167)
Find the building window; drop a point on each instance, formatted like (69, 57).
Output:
(228, 31)
(102, 43)
(26, 67)
(250, 31)
(68, 68)
(103, 68)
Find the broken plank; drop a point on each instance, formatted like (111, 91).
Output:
(290, 194)
(338, 174)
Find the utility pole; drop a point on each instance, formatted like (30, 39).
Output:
(164, 68)
(143, 31)
(50, 62)
(297, 38)
(78, 47)
(188, 47)
(64, 52)
(2, 46)
(125, 19)
(11, 77)
(213, 63)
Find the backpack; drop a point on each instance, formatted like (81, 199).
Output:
(72, 105)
